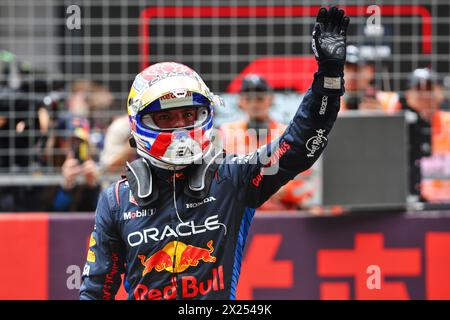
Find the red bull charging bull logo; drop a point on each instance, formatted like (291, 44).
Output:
(176, 257)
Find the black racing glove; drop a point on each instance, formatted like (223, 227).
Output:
(329, 44)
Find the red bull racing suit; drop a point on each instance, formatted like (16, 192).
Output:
(185, 239)
(200, 257)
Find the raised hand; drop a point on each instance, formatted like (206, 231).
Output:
(330, 35)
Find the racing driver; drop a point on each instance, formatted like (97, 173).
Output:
(175, 226)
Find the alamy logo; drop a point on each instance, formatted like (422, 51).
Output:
(316, 143)
(73, 21)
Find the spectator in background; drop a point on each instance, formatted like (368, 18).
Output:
(80, 188)
(24, 127)
(24, 119)
(424, 95)
(245, 136)
(87, 96)
(93, 101)
(117, 149)
(429, 134)
(255, 100)
(360, 92)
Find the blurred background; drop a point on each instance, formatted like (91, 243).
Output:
(379, 194)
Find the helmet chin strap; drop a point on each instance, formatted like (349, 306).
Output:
(170, 166)
(166, 166)
(161, 164)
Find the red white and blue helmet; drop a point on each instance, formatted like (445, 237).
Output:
(169, 85)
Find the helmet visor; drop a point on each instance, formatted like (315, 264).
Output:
(175, 118)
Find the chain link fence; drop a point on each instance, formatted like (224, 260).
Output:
(57, 57)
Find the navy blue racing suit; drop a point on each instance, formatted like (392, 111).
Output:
(197, 254)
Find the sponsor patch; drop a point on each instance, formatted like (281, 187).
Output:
(91, 256)
(92, 241)
(332, 83)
